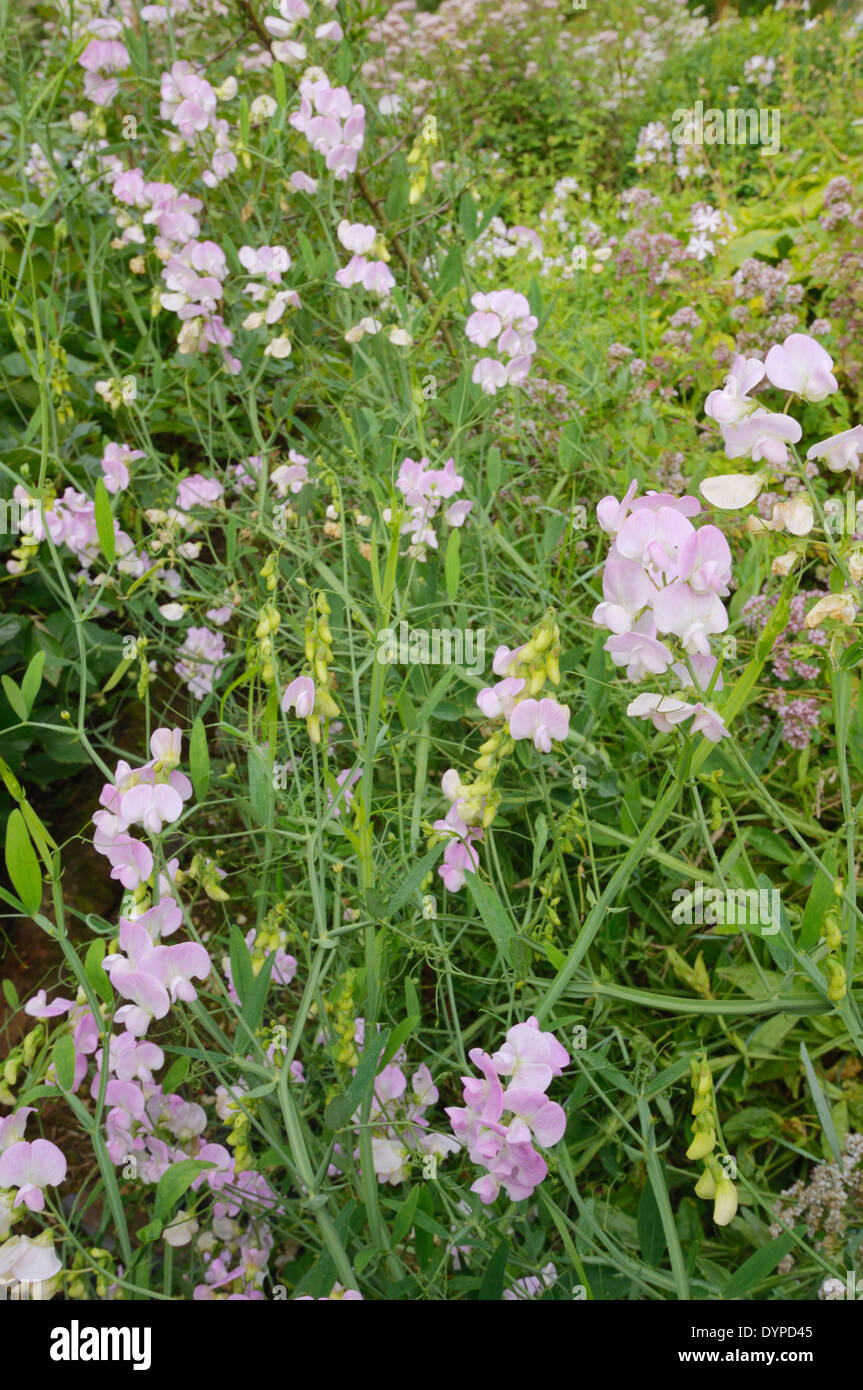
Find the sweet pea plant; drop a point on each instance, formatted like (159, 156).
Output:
(392, 775)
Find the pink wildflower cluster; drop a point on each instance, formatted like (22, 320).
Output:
(101, 59)
(189, 102)
(332, 122)
(425, 490)
(498, 1126)
(201, 660)
(502, 317)
(374, 276)
(193, 271)
(28, 1167)
(115, 465)
(801, 366)
(71, 521)
(664, 576)
(150, 797)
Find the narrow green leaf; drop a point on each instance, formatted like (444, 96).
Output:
(15, 698)
(104, 521)
(452, 563)
(822, 1105)
(491, 1284)
(32, 680)
(241, 964)
(11, 994)
(758, 1266)
(400, 1033)
(96, 976)
(199, 759)
(492, 912)
(22, 865)
(63, 1057)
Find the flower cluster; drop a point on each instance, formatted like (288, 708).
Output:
(268, 263)
(151, 796)
(664, 576)
(375, 276)
(502, 317)
(189, 102)
(425, 490)
(400, 1130)
(332, 122)
(498, 1126)
(524, 672)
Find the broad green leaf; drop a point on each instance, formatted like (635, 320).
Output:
(11, 994)
(96, 976)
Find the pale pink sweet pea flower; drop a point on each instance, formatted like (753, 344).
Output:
(540, 720)
(803, 366)
(840, 451)
(490, 375)
(761, 435)
(662, 710)
(153, 804)
(300, 696)
(705, 561)
(640, 652)
(654, 538)
(709, 722)
(531, 1057)
(732, 403)
(12, 1128)
(694, 618)
(38, 1007)
(626, 590)
(497, 700)
(358, 237)
(30, 1168)
(611, 514)
(731, 491)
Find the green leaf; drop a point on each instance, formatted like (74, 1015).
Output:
(175, 1075)
(253, 1005)
(22, 865)
(759, 1265)
(96, 976)
(63, 1057)
(491, 1284)
(467, 216)
(651, 1236)
(279, 84)
(822, 1105)
(452, 563)
(402, 1031)
(260, 786)
(32, 680)
(413, 878)
(241, 965)
(341, 1108)
(11, 994)
(199, 759)
(821, 899)
(104, 521)
(147, 1234)
(492, 912)
(15, 698)
(405, 1216)
(175, 1182)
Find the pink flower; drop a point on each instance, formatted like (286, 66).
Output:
(497, 700)
(640, 652)
(115, 465)
(663, 711)
(38, 1007)
(803, 366)
(532, 1058)
(541, 720)
(300, 696)
(30, 1168)
(840, 451)
(761, 436)
(490, 375)
(732, 403)
(358, 237)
